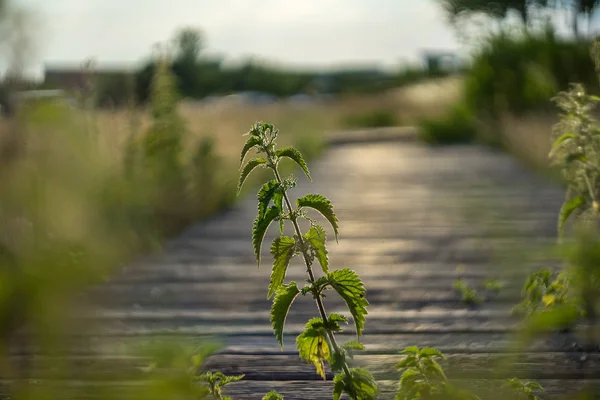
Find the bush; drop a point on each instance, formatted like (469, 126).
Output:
(521, 72)
(455, 126)
(371, 119)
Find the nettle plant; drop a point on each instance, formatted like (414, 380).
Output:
(317, 344)
(423, 377)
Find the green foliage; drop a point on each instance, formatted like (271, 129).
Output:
(312, 345)
(468, 294)
(575, 151)
(358, 385)
(272, 395)
(493, 285)
(248, 168)
(295, 155)
(216, 381)
(317, 344)
(525, 390)
(316, 239)
(259, 229)
(568, 208)
(283, 249)
(543, 289)
(455, 126)
(284, 297)
(323, 206)
(371, 119)
(520, 71)
(423, 377)
(349, 286)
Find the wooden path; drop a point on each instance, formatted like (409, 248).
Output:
(409, 215)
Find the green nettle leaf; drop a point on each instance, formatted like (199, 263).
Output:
(410, 350)
(283, 249)
(265, 195)
(322, 205)
(259, 229)
(284, 297)
(295, 155)
(334, 322)
(272, 395)
(252, 142)
(349, 286)
(361, 385)
(567, 209)
(353, 345)
(563, 138)
(338, 386)
(316, 238)
(248, 168)
(429, 352)
(278, 200)
(312, 345)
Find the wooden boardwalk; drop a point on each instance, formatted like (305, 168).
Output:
(409, 215)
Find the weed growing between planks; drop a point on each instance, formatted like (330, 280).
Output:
(317, 344)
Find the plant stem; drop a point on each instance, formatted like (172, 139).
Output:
(311, 275)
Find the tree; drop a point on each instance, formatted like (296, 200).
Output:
(188, 45)
(496, 9)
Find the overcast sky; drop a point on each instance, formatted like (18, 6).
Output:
(303, 33)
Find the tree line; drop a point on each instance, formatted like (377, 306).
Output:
(527, 10)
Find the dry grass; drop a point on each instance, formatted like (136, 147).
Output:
(227, 122)
(528, 137)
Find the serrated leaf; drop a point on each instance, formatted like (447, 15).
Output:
(410, 350)
(259, 229)
(567, 209)
(409, 377)
(349, 286)
(250, 143)
(283, 250)
(313, 347)
(363, 385)
(433, 368)
(295, 155)
(272, 395)
(558, 142)
(284, 297)
(337, 318)
(408, 361)
(265, 195)
(533, 385)
(278, 200)
(323, 206)
(317, 238)
(338, 386)
(248, 168)
(353, 345)
(429, 352)
(334, 322)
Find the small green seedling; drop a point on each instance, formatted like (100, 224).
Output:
(317, 344)
(215, 381)
(543, 289)
(468, 295)
(493, 285)
(423, 377)
(525, 390)
(272, 395)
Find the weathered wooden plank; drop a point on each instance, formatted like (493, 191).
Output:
(458, 366)
(288, 367)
